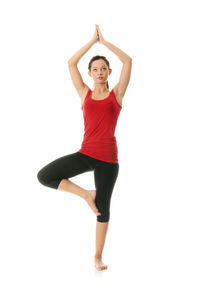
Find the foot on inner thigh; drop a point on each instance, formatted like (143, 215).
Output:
(99, 265)
(90, 199)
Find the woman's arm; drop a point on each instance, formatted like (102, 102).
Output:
(77, 56)
(126, 69)
(75, 74)
(73, 69)
(125, 74)
(121, 54)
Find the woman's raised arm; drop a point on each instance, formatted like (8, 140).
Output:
(77, 56)
(122, 55)
(126, 68)
(73, 61)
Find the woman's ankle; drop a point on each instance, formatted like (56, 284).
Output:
(98, 256)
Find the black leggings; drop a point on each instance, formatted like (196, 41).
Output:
(105, 175)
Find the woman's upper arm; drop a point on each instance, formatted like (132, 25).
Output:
(76, 78)
(124, 78)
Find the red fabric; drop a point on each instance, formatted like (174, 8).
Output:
(100, 120)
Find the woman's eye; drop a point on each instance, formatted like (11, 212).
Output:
(96, 69)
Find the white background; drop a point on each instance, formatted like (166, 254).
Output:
(47, 236)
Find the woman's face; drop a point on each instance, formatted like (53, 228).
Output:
(99, 71)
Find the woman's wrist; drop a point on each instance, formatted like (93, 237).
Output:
(104, 42)
(93, 41)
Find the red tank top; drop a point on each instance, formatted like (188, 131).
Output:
(100, 120)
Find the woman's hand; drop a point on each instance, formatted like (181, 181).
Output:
(101, 39)
(95, 36)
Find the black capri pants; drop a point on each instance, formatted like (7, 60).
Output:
(105, 175)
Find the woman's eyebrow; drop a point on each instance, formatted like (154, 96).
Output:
(96, 67)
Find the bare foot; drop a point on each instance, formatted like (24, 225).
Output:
(91, 201)
(99, 265)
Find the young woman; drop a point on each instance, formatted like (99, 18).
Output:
(99, 152)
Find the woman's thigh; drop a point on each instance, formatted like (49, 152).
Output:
(105, 176)
(64, 167)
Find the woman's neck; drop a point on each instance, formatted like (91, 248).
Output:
(100, 89)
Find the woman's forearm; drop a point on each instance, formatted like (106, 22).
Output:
(77, 56)
(122, 55)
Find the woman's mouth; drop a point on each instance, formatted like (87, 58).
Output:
(99, 77)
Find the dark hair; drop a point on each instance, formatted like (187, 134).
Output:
(96, 58)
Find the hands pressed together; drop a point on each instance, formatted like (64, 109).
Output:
(98, 37)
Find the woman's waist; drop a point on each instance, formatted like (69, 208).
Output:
(106, 140)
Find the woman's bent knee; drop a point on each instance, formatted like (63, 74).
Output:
(41, 177)
(44, 180)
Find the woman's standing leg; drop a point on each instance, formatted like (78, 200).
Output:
(105, 175)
